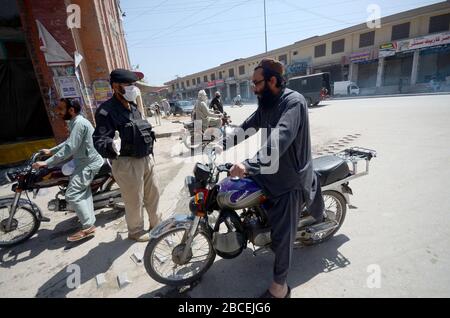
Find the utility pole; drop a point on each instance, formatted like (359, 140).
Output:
(265, 24)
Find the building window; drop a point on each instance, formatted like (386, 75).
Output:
(320, 50)
(198, 80)
(188, 83)
(295, 53)
(213, 77)
(439, 23)
(178, 86)
(231, 72)
(400, 31)
(173, 87)
(283, 59)
(220, 75)
(205, 78)
(338, 46)
(366, 39)
(242, 70)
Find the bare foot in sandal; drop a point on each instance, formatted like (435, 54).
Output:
(82, 234)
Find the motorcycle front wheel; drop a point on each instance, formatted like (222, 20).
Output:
(23, 226)
(162, 258)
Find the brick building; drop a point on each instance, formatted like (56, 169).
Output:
(49, 50)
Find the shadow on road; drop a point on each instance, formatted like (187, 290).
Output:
(248, 276)
(98, 260)
(53, 239)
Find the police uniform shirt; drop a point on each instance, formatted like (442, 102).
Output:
(135, 132)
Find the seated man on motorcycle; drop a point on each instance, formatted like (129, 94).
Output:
(88, 162)
(237, 100)
(208, 118)
(216, 103)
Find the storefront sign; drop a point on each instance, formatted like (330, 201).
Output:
(388, 49)
(211, 84)
(67, 86)
(102, 91)
(299, 66)
(220, 83)
(424, 42)
(360, 57)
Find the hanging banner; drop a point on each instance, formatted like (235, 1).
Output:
(68, 86)
(102, 91)
(53, 51)
(424, 42)
(360, 57)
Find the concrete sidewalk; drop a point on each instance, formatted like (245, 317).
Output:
(171, 126)
(386, 96)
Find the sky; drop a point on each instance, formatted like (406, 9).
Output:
(169, 38)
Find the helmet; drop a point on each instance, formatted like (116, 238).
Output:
(218, 94)
(230, 244)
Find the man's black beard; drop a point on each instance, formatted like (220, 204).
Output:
(67, 116)
(267, 98)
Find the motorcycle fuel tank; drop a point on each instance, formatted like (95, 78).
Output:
(238, 193)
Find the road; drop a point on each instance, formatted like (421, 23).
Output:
(395, 244)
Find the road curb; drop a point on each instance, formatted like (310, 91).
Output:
(168, 134)
(386, 96)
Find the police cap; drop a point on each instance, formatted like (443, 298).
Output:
(125, 76)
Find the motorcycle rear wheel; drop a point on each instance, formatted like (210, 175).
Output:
(14, 236)
(336, 206)
(175, 275)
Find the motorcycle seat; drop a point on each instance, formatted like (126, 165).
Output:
(330, 169)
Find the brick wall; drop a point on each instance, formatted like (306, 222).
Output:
(52, 14)
(100, 40)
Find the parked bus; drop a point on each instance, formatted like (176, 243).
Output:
(310, 86)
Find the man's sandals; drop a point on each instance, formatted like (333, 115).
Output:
(82, 234)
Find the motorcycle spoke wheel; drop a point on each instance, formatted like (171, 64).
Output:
(165, 254)
(333, 210)
(24, 225)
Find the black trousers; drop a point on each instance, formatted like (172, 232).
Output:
(283, 213)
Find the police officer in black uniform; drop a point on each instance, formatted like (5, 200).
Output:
(123, 135)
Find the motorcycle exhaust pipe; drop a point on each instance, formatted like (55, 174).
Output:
(316, 231)
(107, 198)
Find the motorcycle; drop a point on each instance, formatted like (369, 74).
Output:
(184, 247)
(21, 218)
(194, 138)
(237, 103)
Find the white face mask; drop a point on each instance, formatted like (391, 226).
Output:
(131, 93)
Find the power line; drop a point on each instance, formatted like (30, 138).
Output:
(187, 26)
(272, 26)
(252, 35)
(178, 8)
(152, 8)
(175, 24)
(239, 19)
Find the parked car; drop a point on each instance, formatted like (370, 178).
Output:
(344, 88)
(182, 107)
